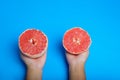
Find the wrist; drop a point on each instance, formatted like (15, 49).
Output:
(34, 70)
(34, 73)
(34, 67)
(76, 72)
(76, 65)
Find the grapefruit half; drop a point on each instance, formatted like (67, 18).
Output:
(76, 40)
(33, 43)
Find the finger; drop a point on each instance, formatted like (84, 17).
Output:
(43, 56)
(23, 57)
(67, 53)
(85, 53)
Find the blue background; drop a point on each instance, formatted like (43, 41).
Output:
(101, 18)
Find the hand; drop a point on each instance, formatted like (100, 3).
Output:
(34, 63)
(76, 65)
(34, 66)
(77, 59)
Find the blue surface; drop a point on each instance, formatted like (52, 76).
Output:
(101, 18)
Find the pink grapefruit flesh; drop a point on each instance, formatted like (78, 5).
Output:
(33, 43)
(76, 40)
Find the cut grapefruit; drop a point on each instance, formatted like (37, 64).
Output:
(76, 40)
(33, 43)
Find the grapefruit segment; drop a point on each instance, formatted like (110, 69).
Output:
(33, 43)
(76, 40)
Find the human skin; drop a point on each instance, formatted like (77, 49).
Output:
(34, 66)
(76, 65)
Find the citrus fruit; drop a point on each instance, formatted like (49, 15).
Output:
(76, 40)
(33, 43)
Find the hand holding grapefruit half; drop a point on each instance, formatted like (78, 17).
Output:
(33, 43)
(76, 40)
